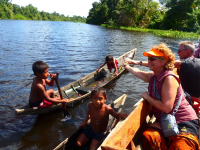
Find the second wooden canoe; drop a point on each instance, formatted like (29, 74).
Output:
(83, 86)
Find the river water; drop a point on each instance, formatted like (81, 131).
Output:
(72, 49)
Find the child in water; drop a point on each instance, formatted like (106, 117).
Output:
(111, 63)
(39, 96)
(99, 114)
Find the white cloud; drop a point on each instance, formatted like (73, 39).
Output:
(66, 7)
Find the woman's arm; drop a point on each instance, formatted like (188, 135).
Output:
(137, 62)
(168, 95)
(145, 76)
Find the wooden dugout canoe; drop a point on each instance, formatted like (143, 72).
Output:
(69, 143)
(83, 86)
(127, 133)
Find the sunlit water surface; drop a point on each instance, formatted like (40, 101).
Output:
(72, 49)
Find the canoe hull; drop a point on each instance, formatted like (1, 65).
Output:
(128, 132)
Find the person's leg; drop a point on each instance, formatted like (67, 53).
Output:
(153, 139)
(81, 140)
(92, 145)
(183, 141)
(50, 92)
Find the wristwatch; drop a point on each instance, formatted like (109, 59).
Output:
(140, 62)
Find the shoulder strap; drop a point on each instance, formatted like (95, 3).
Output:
(159, 98)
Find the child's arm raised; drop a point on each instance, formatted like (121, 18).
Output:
(44, 94)
(50, 83)
(101, 66)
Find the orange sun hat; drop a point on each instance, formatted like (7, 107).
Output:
(156, 53)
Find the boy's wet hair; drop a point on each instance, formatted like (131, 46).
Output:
(99, 90)
(109, 57)
(39, 66)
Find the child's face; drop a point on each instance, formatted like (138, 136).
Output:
(45, 74)
(98, 100)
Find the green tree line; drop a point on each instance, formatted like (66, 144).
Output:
(180, 15)
(13, 11)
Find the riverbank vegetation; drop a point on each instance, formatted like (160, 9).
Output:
(166, 33)
(167, 17)
(171, 18)
(13, 11)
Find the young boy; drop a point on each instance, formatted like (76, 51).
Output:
(111, 63)
(99, 114)
(39, 96)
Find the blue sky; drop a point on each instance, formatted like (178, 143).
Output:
(66, 7)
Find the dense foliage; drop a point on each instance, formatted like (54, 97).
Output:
(13, 11)
(181, 15)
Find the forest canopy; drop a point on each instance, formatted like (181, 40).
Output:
(13, 11)
(181, 15)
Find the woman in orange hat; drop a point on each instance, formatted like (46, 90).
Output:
(164, 92)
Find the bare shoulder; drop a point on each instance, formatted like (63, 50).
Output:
(38, 86)
(171, 80)
(107, 108)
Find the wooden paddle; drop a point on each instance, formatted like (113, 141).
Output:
(66, 113)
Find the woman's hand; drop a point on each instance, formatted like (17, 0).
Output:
(125, 64)
(145, 95)
(134, 62)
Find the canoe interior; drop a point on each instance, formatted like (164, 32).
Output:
(89, 81)
(117, 105)
(83, 86)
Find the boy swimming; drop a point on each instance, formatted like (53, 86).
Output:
(99, 114)
(39, 96)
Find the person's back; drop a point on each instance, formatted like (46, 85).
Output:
(35, 93)
(189, 68)
(190, 76)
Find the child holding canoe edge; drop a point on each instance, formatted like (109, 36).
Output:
(111, 63)
(39, 96)
(99, 114)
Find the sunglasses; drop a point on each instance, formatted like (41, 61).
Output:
(179, 50)
(155, 58)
